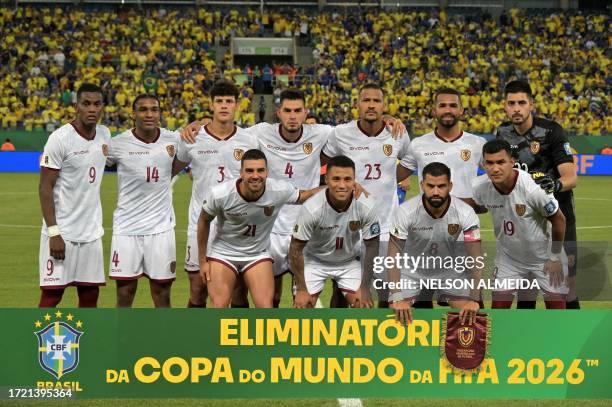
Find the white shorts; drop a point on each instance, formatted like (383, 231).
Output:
(382, 294)
(239, 263)
(153, 256)
(279, 250)
(413, 282)
(192, 262)
(347, 276)
(504, 270)
(83, 264)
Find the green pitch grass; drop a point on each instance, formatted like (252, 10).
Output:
(20, 221)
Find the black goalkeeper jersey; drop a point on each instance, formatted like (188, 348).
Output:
(543, 147)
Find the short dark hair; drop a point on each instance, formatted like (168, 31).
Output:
(312, 116)
(292, 94)
(145, 96)
(436, 169)
(340, 161)
(224, 87)
(253, 154)
(495, 146)
(518, 86)
(447, 91)
(371, 85)
(88, 87)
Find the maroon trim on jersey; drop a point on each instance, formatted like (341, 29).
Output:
(366, 134)
(225, 263)
(256, 262)
(211, 134)
(516, 175)
(81, 134)
(157, 280)
(74, 283)
(238, 182)
(447, 141)
(280, 132)
(332, 205)
(431, 214)
(146, 141)
(136, 277)
(50, 169)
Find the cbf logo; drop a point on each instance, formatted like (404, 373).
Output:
(58, 344)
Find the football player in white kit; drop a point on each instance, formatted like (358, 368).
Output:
(327, 239)
(375, 152)
(448, 144)
(529, 228)
(428, 228)
(215, 158)
(71, 172)
(246, 210)
(143, 224)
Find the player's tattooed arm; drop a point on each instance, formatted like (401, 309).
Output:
(398, 130)
(296, 257)
(477, 208)
(202, 234)
(402, 307)
(48, 178)
(371, 251)
(402, 175)
(178, 166)
(553, 266)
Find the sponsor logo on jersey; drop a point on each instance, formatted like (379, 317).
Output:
(238, 153)
(465, 154)
(452, 229)
(387, 149)
(105, 150)
(430, 153)
(354, 225)
(520, 209)
(307, 148)
(466, 336)
(534, 146)
(170, 150)
(375, 229)
(276, 148)
(359, 148)
(269, 210)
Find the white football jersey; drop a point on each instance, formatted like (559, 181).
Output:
(461, 155)
(243, 227)
(297, 162)
(375, 163)
(428, 238)
(76, 193)
(144, 174)
(334, 237)
(213, 161)
(520, 219)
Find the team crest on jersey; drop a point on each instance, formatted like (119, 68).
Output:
(105, 150)
(520, 209)
(465, 154)
(238, 153)
(268, 210)
(452, 228)
(387, 149)
(307, 148)
(354, 225)
(534, 146)
(170, 150)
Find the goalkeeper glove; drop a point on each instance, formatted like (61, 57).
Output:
(546, 182)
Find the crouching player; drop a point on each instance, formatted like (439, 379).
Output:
(326, 240)
(429, 230)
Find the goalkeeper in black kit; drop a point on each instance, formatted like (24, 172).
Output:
(540, 147)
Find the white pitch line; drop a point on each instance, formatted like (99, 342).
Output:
(593, 199)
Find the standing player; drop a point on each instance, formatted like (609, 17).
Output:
(541, 147)
(375, 153)
(71, 172)
(246, 209)
(431, 227)
(215, 158)
(521, 213)
(143, 224)
(329, 229)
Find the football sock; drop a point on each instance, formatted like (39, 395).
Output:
(525, 305)
(50, 298)
(501, 304)
(88, 296)
(555, 304)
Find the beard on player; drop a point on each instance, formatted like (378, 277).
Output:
(447, 120)
(437, 200)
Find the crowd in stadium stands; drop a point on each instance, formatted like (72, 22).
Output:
(47, 53)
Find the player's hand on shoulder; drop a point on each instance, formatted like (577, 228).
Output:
(405, 184)
(545, 181)
(468, 312)
(359, 189)
(57, 247)
(302, 299)
(189, 133)
(397, 128)
(403, 311)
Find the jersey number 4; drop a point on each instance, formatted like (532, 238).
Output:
(115, 259)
